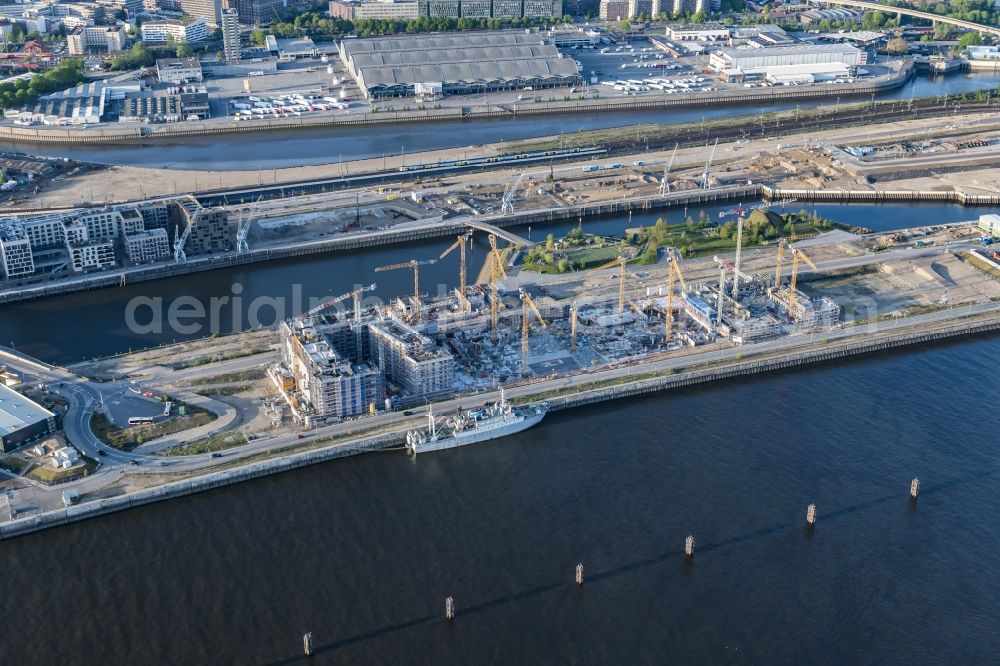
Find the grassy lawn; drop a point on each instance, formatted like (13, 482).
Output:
(51, 476)
(231, 377)
(219, 442)
(592, 257)
(226, 390)
(214, 358)
(129, 437)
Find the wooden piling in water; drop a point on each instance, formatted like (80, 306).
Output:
(811, 515)
(449, 608)
(579, 574)
(307, 643)
(914, 489)
(689, 547)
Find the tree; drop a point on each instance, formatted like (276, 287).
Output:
(550, 241)
(563, 265)
(969, 39)
(258, 37)
(897, 46)
(184, 50)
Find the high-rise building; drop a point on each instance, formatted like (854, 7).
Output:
(231, 34)
(258, 12)
(210, 10)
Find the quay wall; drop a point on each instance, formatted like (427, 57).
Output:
(729, 370)
(137, 135)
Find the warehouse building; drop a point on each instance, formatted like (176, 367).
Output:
(456, 64)
(755, 63)
(22, 420)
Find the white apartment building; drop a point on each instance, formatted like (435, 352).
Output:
(147, 246)
(159, 32)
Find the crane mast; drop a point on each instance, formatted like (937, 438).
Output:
(460, 244)
(796, 256)
(526, 304)
(496, 272)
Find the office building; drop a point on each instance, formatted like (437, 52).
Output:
(179, 70)
(614, 10)
(103, 38)
(398, 10)
(144, 247)
(258, 12)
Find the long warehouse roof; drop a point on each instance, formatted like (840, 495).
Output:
(469, 54)
(470, 72)
(352, 47)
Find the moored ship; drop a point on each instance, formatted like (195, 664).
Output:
(477, 425)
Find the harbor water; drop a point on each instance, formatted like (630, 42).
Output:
(363, 552)
(275, 150)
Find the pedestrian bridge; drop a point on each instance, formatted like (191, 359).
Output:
(500, 233)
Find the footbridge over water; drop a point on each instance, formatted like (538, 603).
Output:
(916, 13)
(501, 233)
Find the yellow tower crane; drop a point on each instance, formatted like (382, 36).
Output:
(620, 262)
(573, 313)
(460, 244)
(777, 266)
(496, 272)
(413, 265)
(672, 270)
(796, 256)
(527, 303)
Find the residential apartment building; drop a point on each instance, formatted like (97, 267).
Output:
(328, 385)
(210, 10)
(161, 31)
(410, 360)
(16, 258)
(91, 255)
(144, 247)
(231, 35)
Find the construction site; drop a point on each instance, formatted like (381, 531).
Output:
(349, 357)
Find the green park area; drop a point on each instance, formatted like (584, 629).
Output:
(694, 237)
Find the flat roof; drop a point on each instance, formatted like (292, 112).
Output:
(18, 412)
(471, 58)
(794, 49)
(352, 47)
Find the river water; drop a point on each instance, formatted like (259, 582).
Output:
(89, 324)
(327, 145)
(363, 552)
